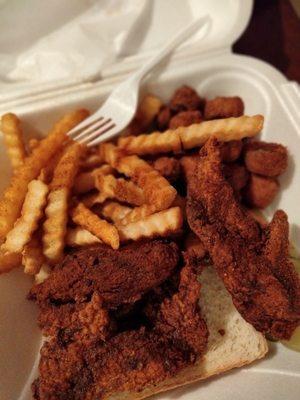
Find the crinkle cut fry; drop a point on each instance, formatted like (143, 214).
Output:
(13, 197)
(13, 139)
(80, 237)
(32, 255)
(137, 214)
(97, 226)
(157, 189)
(195, 135)
(159, 224)
(236, 246)
(120, 189)
(115, 211)
(32, 211)
(85, 181)
(55, 225)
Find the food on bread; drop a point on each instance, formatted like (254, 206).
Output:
(135, 296)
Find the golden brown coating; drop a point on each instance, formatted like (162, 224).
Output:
(260, 191)
(169, 167)
(263, 283)
(268, 159)
(224, 107)
(231, 151)
(131, 360)
(118, 276)
(185, 118)
(185, 98)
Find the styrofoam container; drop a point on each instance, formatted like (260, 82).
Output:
(212, 70)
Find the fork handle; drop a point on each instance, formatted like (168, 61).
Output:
(184, 34)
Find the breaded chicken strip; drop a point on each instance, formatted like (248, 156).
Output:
(131, 360)
(263, 283)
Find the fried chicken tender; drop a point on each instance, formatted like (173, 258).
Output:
(267, 159)
(185, 118)
(117, 276)
(260, 191)
(264, 286)
(224, 107)
(131, 360)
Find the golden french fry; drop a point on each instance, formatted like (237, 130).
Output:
(110, 154)
(43, 274)
(32, 255)
(152, 143)
(85, 181)
(137, 214)
(80, 237)
(55, 225)
(67, 167)
(102, 229)
(192, 136)
(224, 130)
(13, 197)
(32, 211)
(92, 161)
(120, 189)
(115, 211)
(89, 200)
(8, 261)
(13, 139)
(146, 112)
(157, 189)
(33, 144)
(162, 223)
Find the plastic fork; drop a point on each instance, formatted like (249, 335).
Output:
(120, 107)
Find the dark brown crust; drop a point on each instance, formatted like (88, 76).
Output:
(118, 276)
(224, 107)
(260, 191)
(185, 118)
(266, 298)
(185, 98)
(268, 159)
(129, 361)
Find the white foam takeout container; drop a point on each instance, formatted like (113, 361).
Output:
(212, 69)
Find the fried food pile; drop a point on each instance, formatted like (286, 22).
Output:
(252, 261)
(117, 235)
(82, 306)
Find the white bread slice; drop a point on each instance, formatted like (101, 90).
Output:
(240, 345)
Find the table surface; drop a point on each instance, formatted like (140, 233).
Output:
(273, 35)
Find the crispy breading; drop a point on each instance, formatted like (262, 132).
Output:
(268, 159)
(261, 292)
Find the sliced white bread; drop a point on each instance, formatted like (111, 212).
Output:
(232, 341)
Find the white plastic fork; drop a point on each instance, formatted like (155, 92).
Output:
(119, 108)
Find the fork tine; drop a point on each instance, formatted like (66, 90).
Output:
(109, 134)
(86, 122)
(104, 128)
(90, 128)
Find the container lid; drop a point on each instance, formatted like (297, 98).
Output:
(93, 40)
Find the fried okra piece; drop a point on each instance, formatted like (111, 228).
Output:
(231, 151)
(260, 191)
(185, 118)
(268, 159)
(163, 118)
(224, 107)
(236, 175)
(185, 99)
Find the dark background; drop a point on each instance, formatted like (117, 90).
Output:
(273, 35)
